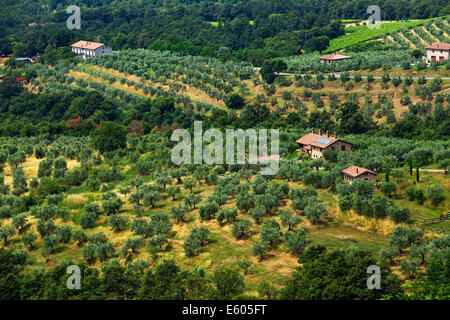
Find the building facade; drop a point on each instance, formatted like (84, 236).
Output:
(333, 58)
(354, 172)
(314, 144)
(437, 52)
(88, 49)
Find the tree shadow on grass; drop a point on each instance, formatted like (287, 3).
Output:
(60, 249)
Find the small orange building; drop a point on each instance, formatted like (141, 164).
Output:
(333, 57)
(354, 172)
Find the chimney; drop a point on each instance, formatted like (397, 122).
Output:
(312, 130)
(335, 135)
(356, 170)
(320, 132)
(328, 134)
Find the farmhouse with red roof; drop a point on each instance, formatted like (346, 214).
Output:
(334, 57)
(437, 52)
(354, 172)
(314, 144)
(88, 49)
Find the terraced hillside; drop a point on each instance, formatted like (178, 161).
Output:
(396, 35)
(203, 85)
(417, 37)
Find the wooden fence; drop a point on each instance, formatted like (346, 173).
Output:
(442, 217)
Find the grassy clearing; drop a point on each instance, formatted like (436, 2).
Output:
(342, 237)
(427, 210)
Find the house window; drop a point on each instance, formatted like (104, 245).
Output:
(342, 148)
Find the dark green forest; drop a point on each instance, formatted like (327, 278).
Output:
(247, 30)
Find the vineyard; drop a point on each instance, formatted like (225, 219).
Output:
(417, 37)
(362, 33)
(397, 35)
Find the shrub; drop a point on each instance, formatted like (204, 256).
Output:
(240, 228)
(235, 101)
(398, 214)
(388, 188)
(434, 194)
(88, 220)
(118, 223)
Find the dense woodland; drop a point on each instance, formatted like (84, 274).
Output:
(246, 30)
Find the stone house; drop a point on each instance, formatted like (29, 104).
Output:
(354, 172)
(333, 58)
(314, 144)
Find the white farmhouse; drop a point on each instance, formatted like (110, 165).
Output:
(89, 49)
(437, 52)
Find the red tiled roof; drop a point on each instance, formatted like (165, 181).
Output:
(439, 46)
(318, 140)
(311, 139)
(21, 79)
(87, 45)
(334, 56)
(355, 171)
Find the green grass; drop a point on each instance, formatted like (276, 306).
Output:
(444, 225)
(427, 210)
(335, 237)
